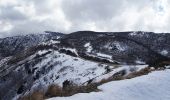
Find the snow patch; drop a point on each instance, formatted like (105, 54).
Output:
(119, 46)
(139, 62)
(168, 67)
(72, 50)
(54, 41)
(88, 47)
(42, 52)
(4, 60)
(164, 52)
(104, 55)
(132, 34)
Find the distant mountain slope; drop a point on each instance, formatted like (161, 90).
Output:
(35, 61)
(12, 45)
(123, 47)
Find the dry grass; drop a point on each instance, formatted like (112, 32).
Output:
(139, 73)
(129, 76)
(112, 78)
(37, 95)
(55, 90)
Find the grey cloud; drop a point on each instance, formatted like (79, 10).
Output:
(113, 15)
(91, 10)
(9, 13)
(32, 27)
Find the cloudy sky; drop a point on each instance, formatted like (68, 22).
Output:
(33, 16)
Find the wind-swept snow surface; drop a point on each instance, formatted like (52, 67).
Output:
(154, 86)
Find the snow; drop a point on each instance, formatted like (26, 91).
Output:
(54, 41)
(75, 69)
(119, 46)
(132, 34)
(168, 67)
(139, 62)
(138, 34)
(164, 52)
(87, 44)
(50, 42)
(73, 50)
(104, 55)
(42, 52)
(58, 37)
(68, 68)
(127, 68)
(4, 60)
(88, 47)
(154, 86)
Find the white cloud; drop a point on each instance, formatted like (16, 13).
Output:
(27, 16)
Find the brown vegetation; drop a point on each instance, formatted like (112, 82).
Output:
(55, 90)
(129, 76)
(37, 95)
(139, 73)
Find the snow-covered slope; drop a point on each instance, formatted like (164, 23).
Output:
(79, 71)
(154, 86)
(50, 66)
(34, 62)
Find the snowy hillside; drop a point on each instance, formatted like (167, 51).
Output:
(34, 62)
(47, 67)
(154, 86)
(12, 45)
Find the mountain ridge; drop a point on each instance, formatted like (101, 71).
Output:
(33, 61)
